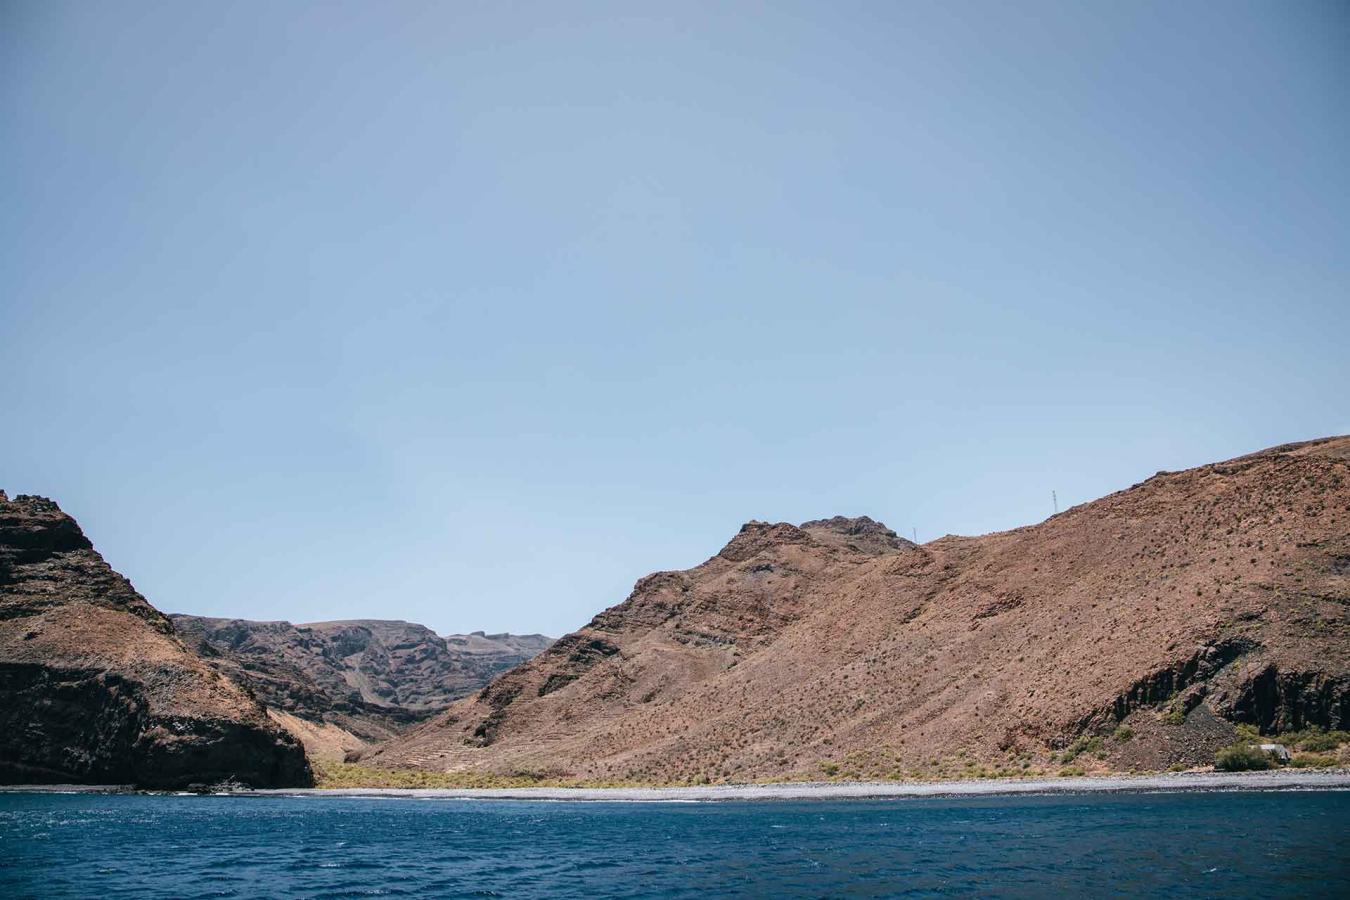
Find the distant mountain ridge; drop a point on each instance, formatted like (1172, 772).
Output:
(369, 678)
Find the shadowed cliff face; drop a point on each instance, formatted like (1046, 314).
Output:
(371, 678)
(1188, 602)
(95, 687)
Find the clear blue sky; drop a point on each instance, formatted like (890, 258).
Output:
(472, 314)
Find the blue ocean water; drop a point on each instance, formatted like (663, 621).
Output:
(1181, 844)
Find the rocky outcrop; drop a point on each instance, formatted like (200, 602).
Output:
(861, 533)
(370, 678)
(96, 688)
(1275, 700)
(1179, 606)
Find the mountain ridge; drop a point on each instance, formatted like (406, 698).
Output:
(1204, 597)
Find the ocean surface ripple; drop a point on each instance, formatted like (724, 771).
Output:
(1229, 845)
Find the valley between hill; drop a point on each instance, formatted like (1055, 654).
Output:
(341, 686)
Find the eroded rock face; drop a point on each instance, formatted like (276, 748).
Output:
(1179, 606)
(1274, 700)
(94, 686)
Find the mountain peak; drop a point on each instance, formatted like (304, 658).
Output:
(859, 533)
(755, 537)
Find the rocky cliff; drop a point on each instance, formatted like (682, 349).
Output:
(1186, 603)
(96, 688)
(348, 683)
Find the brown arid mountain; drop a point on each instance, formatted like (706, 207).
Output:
(340, 685)
(96, 688)
(1141, 625)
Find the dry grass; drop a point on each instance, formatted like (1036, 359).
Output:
(334, 775)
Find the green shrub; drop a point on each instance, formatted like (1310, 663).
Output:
(1315, 739)
(1314, 761)
(1243, 758)
(1319, 743)
(1123, 733)
(1174, 716)
(829, 768)
(1084, 744)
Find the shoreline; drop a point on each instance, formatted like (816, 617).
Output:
(1335, 780)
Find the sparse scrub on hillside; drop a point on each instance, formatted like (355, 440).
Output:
(335, 775)
(956, 668)
(1314, 739)
(1093, 745)
(1314, 761)
(329, 774)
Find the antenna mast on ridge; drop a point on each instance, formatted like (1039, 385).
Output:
(1055, 498)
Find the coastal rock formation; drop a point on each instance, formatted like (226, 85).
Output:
(340, 685)
(96, 688)
(1129, 631)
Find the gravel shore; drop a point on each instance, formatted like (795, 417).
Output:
(1324, 780)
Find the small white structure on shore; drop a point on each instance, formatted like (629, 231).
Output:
(1279, 751)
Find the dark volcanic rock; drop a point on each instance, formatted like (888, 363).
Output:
(95, 687)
